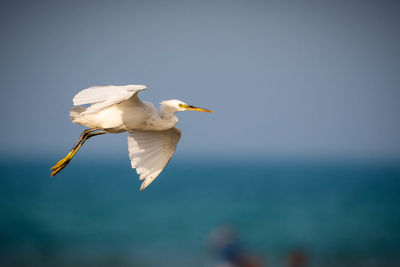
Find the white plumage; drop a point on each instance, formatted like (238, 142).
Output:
(97, 94)
(104, 96)
(152, 136)
(150, 152)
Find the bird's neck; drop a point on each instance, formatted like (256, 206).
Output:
(167, 114)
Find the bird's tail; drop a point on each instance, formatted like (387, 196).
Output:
(75, 112)
(84, 136)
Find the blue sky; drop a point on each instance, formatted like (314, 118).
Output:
(285, 78)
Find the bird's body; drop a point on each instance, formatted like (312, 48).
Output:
(115, 109)
(124, 116)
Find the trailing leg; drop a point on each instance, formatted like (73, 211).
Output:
(86, 134)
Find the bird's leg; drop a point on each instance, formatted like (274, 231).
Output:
(86, 134)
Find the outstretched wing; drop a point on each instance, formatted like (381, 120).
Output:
(150, 152)
(104, 96)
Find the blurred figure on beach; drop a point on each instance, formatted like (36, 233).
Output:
(228, 250)
(297, 258)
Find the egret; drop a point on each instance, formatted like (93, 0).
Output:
(152, 135)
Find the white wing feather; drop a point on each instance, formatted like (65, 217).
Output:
(104, 96)
(150, 152)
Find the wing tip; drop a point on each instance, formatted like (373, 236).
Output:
(143, 186)
(138, 86)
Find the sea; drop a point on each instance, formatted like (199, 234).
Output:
(322, 213)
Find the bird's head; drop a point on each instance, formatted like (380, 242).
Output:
(177, 105)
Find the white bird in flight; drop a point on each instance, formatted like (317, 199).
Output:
(152, 135)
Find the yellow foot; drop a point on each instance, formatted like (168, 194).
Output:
(61, 165)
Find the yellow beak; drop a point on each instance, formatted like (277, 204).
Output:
(188, 107)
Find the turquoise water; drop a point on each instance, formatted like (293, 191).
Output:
(93, 213)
